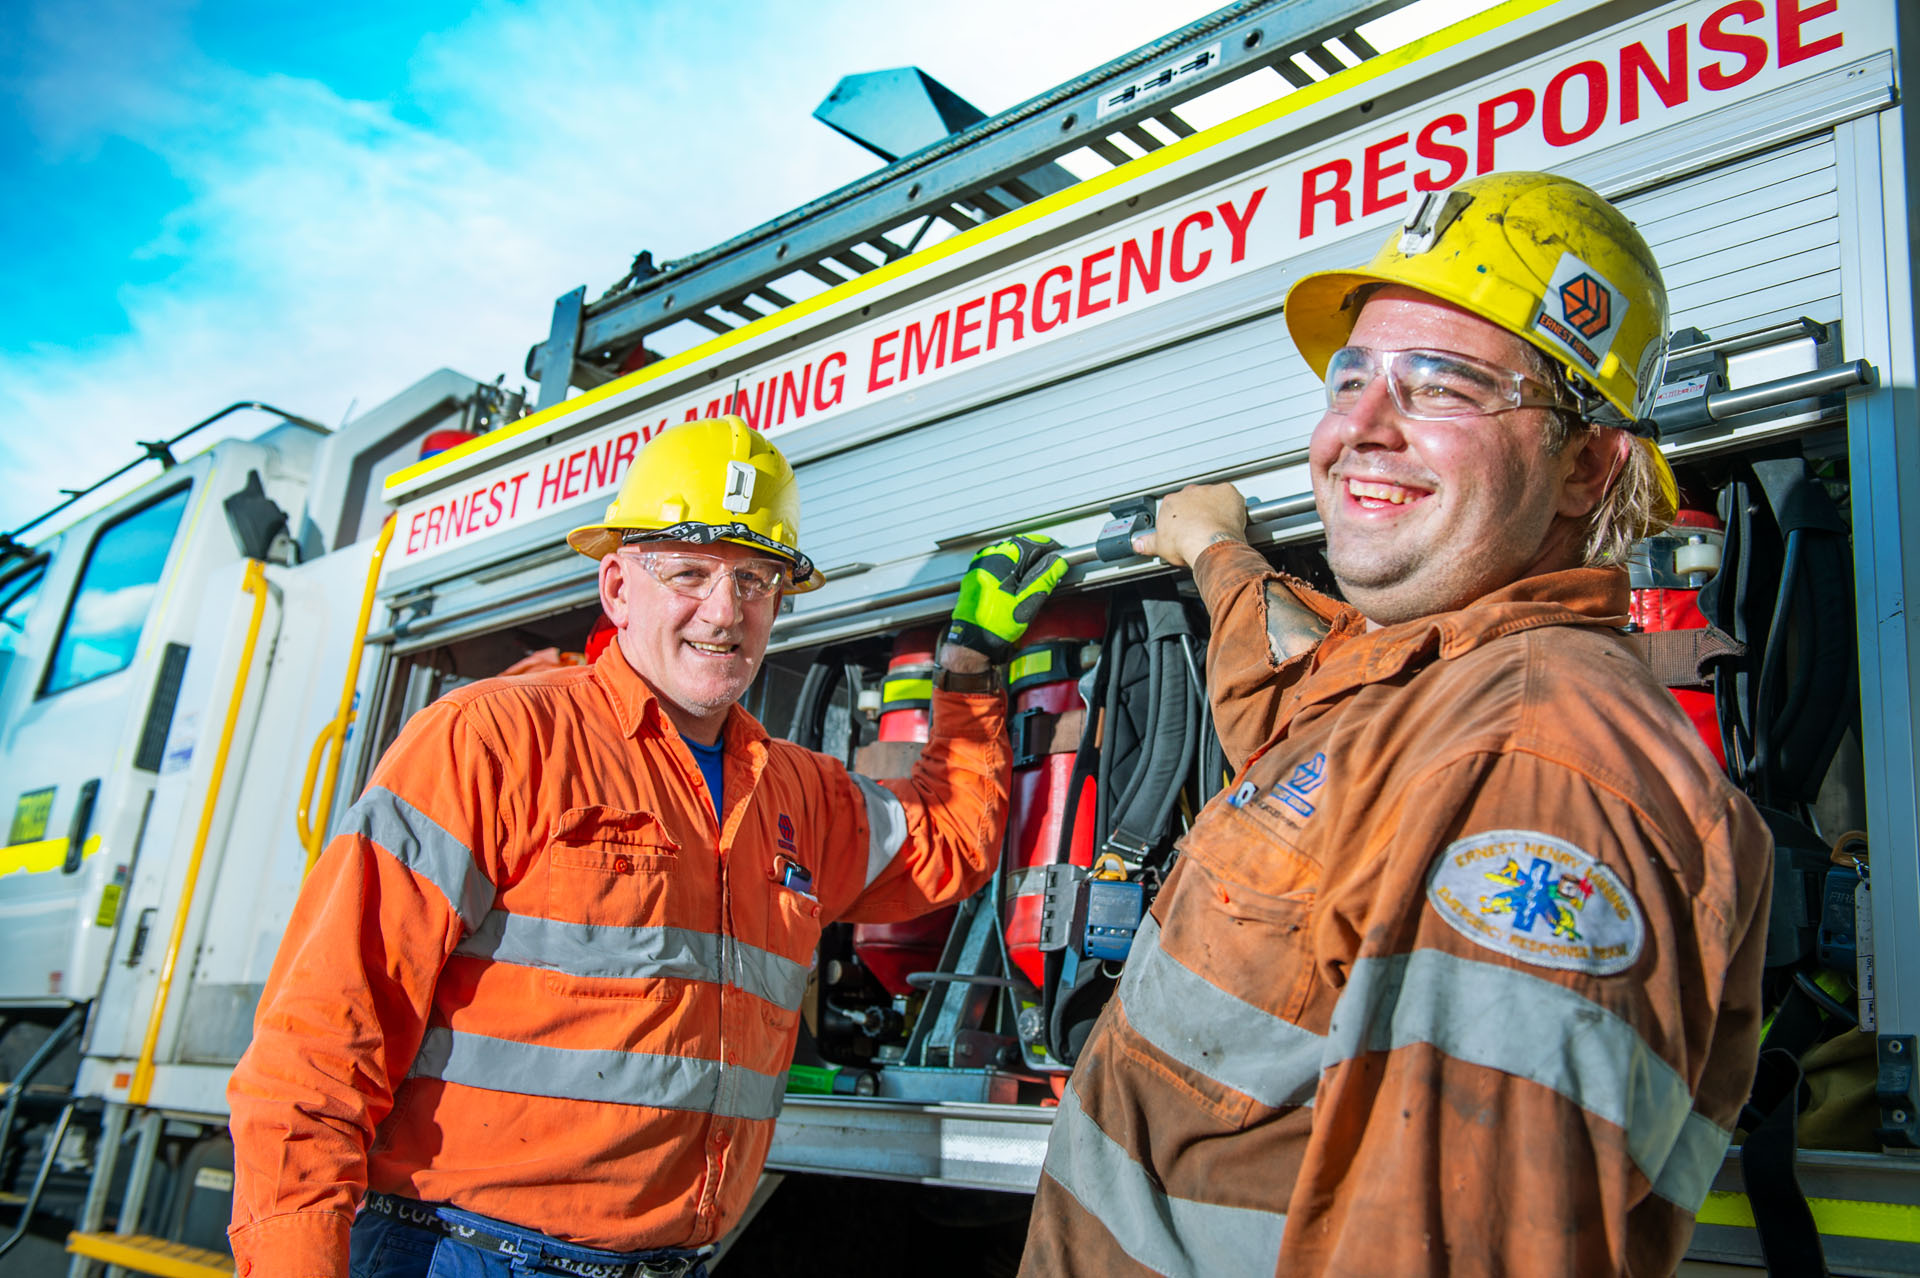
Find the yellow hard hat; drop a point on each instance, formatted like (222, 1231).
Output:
(1542, 257)
(712, 480)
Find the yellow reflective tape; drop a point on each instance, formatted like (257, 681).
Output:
(1841, 1217)
(109, 905)
(1334, 85)
(1032, 664)
(38, 858)
(906, 690)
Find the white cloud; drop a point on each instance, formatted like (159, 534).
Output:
(331, 251)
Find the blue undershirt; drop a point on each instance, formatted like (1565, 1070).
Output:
(710, 758)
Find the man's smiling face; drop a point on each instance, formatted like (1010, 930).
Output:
(1426, 516)
(698, 655)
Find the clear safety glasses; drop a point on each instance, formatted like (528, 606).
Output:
(1433, 385)
(696, 575)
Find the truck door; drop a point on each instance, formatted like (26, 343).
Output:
(91, 675)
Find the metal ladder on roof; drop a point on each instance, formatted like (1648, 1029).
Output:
(1117, 112)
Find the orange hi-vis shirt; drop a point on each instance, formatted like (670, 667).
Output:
(533, 979)
(1460, 976)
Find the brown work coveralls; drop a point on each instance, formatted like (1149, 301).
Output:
(534, 978)
(1460, 976)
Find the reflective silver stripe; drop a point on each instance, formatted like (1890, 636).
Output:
(631, 953)
(766, 974)
(1530, 1028)
(418, 842)
(617, 1078)
(1214, 1033)
(1693, 1163)
(886, 824)
(1172, 1236)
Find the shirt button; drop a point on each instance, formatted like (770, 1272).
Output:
(719, 1140)
(621, 865)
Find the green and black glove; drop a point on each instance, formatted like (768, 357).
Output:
(1003, 591)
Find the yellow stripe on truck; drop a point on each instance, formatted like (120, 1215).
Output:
(1839, 1217)
(38, 858)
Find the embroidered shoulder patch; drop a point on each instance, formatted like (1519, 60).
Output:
(1538, 899)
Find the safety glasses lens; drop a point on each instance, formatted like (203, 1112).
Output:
(1429, 385)
(696, 575)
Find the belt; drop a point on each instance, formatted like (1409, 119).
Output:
(422, 1216)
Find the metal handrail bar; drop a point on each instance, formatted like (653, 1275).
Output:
(255, 584)
(314, 831)
(160, 450)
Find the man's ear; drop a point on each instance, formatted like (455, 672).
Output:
(615, 588)
(1596, 459)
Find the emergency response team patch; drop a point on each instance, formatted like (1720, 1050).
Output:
(1538, 899)
(1581, 311)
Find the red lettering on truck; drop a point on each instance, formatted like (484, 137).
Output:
(1751, 48)
(1135, 268)
(1491, 130)
(1312, 193)
(1670, 86)
(1429, 147)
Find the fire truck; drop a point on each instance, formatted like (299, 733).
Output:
(197, 678)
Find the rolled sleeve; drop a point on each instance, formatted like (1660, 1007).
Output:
(1246, 683)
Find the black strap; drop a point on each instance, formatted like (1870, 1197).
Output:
(1789, 1240)
(1680, 658)
(1166, 707)
(1785, 590)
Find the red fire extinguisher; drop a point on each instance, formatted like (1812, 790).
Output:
(1666, 577)
(893, 950)
(1046, 726)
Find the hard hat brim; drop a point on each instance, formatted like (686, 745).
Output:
(1319, 318)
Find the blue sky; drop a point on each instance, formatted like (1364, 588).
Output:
(317, 205)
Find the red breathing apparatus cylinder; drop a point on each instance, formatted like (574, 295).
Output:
(1666, 581)
(893, 950)
(1047, 723)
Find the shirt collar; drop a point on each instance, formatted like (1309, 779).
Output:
(1352, 655)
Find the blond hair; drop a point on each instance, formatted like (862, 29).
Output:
(1633, 506)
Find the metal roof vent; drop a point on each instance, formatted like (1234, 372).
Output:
(895, 113)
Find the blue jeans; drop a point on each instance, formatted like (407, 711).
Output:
(383, 1247)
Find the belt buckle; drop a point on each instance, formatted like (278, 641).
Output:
(670, 1269)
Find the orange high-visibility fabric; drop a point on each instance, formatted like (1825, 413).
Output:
(1308, 1069)
(534, 979)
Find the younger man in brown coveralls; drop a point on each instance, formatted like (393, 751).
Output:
(1461, 976)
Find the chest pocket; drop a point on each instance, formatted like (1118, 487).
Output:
(777, 962)
(1248, 907)
(610, 866)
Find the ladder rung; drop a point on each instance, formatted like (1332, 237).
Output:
(143, 1255)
